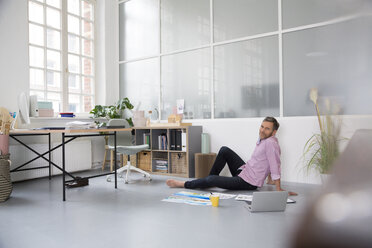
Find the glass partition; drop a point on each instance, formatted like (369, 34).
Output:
(184, 24)
(239, 18)
(138, 29)
(187, 76)
(140, 83)
(304, 12)
(336, 59)
(247, 79)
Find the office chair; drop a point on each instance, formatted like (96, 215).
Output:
(125, 146)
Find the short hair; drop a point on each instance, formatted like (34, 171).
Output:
(273, 121)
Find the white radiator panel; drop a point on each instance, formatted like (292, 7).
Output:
(20, 154)
(78, 157)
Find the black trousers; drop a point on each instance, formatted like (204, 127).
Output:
(225, 155)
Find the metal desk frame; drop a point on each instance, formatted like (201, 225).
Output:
(67, 136)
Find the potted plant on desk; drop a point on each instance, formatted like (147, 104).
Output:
(116, 111)
(112, 111)
(322, 148)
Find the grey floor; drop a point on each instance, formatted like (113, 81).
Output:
(133, 215)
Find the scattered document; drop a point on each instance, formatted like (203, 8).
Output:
(193, 198)
(188, 200)
(249, 198)
(206, 195)
(80, 125)
(224, 196)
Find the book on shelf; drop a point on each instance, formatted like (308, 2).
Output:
(161, 165)
(161, 162)
(146, 139)
(162, 142)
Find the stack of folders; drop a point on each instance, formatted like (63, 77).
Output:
(162, 142)
(161, 165)
(45, 109)
(177, 140)
(146, 139)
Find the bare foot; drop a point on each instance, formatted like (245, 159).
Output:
(175, 184)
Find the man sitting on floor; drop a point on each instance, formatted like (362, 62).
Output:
(264, 162)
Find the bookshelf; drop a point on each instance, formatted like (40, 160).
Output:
(172, 149)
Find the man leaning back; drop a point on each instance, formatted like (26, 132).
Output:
(264, 162)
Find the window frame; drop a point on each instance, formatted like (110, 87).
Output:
(63, 90)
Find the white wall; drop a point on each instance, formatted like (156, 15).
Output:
(242, 134)
(14, 72)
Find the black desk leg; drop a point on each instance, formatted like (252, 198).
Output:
(116, 179)
(50, 157)
(63, 167)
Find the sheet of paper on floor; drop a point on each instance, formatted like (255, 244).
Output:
(188, 200)
(195, 198)
(206, 195)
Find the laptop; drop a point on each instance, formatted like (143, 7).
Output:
(268, 201)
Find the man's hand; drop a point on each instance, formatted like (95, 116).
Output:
(290, 193)
(278, 188)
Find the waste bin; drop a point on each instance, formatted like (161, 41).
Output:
(203, 164)
(6, 186)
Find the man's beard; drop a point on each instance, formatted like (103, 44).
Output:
(264, 136)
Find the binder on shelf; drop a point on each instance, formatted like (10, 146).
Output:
(172, 134)
(183, 141)
(178, 140)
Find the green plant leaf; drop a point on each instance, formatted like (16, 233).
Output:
(98, 111)
(111, 111)
(322, 149)
(124, 103)
(130, 121)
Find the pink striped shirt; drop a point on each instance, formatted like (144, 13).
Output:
(264, 160)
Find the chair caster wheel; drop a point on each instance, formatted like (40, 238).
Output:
(126, 182)
(144, 175)
(150, 179)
